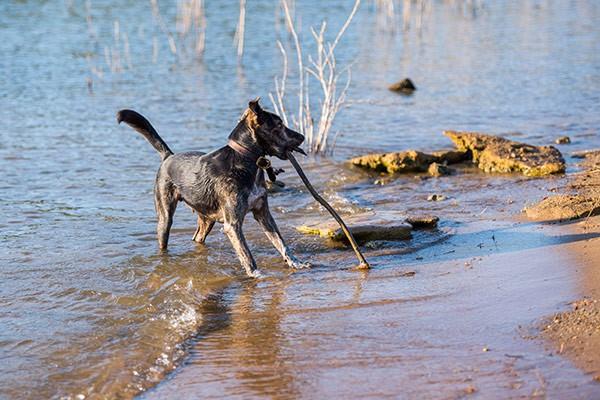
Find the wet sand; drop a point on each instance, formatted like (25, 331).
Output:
(465, 324)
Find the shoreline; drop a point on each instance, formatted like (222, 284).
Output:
(497, 290)
(575, 333)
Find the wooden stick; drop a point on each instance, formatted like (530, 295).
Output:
(363, 262)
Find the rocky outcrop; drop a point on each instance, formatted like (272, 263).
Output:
(497, 154)
(490, 153)
(404, 161)
(407, 161)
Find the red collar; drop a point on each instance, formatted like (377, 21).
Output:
(242, 149)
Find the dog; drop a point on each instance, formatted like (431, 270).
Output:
(222, 186)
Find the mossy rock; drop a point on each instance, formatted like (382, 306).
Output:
(497, 154)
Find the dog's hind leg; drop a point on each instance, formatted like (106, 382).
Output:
(165, 201)
(263, 216)
(205, 225)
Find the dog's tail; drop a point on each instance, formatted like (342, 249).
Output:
(143, 126)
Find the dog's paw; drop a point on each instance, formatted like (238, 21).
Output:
(255, 274)
(299, 265)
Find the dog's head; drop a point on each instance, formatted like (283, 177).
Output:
(270, 132)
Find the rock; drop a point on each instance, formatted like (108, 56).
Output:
(423, 221)
(497, 154)
(451, 156)
(436, 169)
(564, 207)
(365, 228)
(436, 197)
(563, 140)
(585, 154)
(405, 86)
(408, 161)
(404, 161)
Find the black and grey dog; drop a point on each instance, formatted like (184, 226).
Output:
(222, 186)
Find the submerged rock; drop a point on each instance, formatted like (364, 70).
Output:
(497, 154)
(405, 86)
(364, 228)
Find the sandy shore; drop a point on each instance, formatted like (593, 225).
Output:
(576, 333)
(467, 323)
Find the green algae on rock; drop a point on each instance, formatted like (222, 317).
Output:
(497, 154)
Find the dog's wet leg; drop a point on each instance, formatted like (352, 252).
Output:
(263, 216)
(205, 225)
(165, 201)
(233, 230)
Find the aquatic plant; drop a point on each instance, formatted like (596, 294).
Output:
(241, 27)
(324, 70)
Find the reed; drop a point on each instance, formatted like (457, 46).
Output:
(240, 30)
(163, 26)
(323, 69)
(191, 26)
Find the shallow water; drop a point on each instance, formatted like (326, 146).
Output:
(87, 305)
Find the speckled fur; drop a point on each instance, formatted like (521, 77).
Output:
(222, 186)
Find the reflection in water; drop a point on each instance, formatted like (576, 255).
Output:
(87, 306)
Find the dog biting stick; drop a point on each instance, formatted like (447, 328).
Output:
(363, 262)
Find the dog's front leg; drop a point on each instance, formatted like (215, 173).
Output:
(263, 216)
(233, 230)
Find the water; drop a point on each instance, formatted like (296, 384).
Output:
(87, 305)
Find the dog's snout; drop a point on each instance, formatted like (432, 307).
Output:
(295, 136)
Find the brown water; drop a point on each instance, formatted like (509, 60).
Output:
(87, 307)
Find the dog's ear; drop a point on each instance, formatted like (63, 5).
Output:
(255, 107)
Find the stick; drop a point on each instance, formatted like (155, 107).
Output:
(363, 262)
